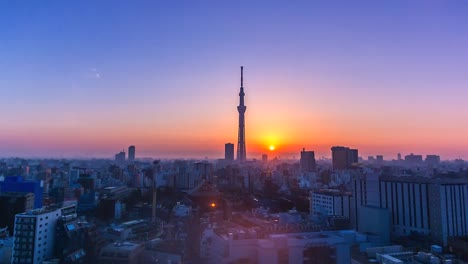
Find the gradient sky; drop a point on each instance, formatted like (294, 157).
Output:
(88, 78)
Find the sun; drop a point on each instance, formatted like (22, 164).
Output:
(272, 147)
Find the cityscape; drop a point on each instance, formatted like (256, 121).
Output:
(118, 141)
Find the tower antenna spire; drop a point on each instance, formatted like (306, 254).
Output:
(241, 155)
(242, 76)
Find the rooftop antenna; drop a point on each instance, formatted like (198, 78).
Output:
(242, 76)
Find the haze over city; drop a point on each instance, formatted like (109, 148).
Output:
(86, 79)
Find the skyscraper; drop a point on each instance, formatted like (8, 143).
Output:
(307, 161)
(229, 151)
(131, 153)
(241, 153)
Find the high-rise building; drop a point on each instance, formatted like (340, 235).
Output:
(265, 158)
(307, 161)
(229, 151)
(343, 157)
(35, 234)
(131, 153)
(241, 149)
(120, 157)
(18, 184)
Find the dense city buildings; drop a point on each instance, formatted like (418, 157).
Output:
(84, 82)
(229, 152)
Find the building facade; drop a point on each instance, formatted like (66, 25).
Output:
(131, 153)
(343, 157)
(229, 151)
(34, 234)
(330, 202)
(307, 161)
(437, 208)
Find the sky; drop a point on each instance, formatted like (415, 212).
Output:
(90, 78)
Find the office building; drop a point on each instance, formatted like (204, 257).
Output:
(343, 158)
(330, 202)
(307, 161)
(131, 153)
(241, 148)
(433, 207)
(34, 234)
(413, 159)
(12, 204)
(229, 151)
(19, 185)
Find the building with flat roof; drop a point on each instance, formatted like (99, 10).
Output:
(328, 202)
(434, 207)
(131, 153)
(307, 161)
(121, 252)
(343, 158)
(229, 151)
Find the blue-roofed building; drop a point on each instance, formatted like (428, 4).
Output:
(19, 185)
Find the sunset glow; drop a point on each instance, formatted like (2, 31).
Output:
(170, 84)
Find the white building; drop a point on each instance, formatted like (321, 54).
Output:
(330, 202)
(34, 234)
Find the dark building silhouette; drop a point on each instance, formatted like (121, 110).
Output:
(241, 152)
(343, 157)
(229, 151)
(131, 153)
(413, 159)
(13, 203)
(433, 160)
(307, 161)
(265, 158)
(120, 157)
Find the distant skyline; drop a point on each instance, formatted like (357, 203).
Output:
(88, 78)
